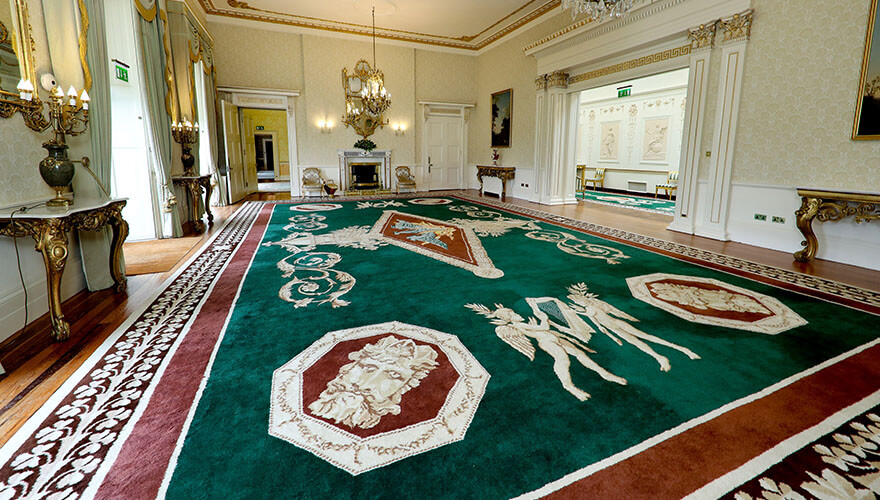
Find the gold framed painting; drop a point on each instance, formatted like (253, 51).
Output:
(867, 120)
(502, 118)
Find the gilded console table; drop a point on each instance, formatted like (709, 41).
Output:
(503, 173)
(831, 206)
(194, 185)
(49, 227)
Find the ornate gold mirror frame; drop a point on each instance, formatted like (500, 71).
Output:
(18, 37)
(353, 83)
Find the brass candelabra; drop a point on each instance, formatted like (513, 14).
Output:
(68, 115)
(186, 134)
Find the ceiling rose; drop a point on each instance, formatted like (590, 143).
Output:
(383, 7)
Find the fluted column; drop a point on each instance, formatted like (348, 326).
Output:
(554, 148)
(734, 32)
(702, 42)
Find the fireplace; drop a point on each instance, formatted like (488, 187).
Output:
(364, 171)
(364, 176)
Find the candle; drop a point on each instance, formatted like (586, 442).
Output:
(71, 96)
(85, 99)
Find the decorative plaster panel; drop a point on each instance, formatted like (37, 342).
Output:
(20, 153)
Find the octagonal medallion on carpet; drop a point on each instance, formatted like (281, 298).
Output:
(713, 302)
(366, 397)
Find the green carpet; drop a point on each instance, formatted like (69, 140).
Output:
(658, 205)
(528, 429)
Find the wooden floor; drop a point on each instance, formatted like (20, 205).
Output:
(42, 366)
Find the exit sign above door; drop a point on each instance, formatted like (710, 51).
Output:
(624, 91)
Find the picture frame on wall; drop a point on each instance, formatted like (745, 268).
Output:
(502, 118)
(867, 120)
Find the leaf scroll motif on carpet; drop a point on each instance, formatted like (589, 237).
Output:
(560, 330)
(490, 223)
(72, 442)
(853, 454)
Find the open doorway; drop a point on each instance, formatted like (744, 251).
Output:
(266, 148)
(133, 175)
(629, 141)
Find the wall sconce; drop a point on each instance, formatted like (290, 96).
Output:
(324, 126)
(399, 128)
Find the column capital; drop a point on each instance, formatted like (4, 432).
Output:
(703, 36)
(541, 83)
(738, 27)
(557, 80)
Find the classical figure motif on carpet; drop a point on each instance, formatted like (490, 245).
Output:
(713, 302)
(373, 384)
(365, 397)
(490, 223)
(425, 233)
(561, 332)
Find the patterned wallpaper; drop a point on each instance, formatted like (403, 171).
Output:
(271, 59)
(504, 67)
(20, 153)
(799, 95)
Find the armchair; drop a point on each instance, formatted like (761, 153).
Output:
(670, 186)
(597, 180)
(405, 179)
(312, 182)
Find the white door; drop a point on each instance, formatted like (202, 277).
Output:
(234, 163)
(444, 145)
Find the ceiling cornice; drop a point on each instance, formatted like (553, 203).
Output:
(491, 34)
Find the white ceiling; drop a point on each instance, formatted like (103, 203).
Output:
(456, 23)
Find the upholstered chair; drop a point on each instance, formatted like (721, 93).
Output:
(405, 179)
(670, 186)
(597, 180)
(312, 182)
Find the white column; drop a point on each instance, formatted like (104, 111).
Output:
(713, 220)
(553, 148)
(702, 42)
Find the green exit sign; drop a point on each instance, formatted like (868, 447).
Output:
(260, 127)
(624, 92)
(121, 73)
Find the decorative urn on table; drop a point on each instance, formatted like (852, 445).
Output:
(68, 115)
(186, 134)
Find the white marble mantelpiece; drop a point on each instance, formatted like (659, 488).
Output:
(348, 157)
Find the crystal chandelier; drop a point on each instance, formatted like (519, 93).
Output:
(375, 98)
(597, 10)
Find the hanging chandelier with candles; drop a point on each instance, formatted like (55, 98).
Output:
(597, 10)
(366, 98)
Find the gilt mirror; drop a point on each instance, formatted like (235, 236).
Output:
(17, 63)
(355, 113)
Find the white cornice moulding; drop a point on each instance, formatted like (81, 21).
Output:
(286, 28)
(440, 104)
(656, 23)
(258, 91)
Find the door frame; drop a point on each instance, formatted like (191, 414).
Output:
(447, 110)
(260, 98)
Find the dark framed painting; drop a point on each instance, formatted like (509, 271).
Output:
(867, 122)
(502, 118)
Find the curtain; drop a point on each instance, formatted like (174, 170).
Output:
(160, 107)
(95, 245)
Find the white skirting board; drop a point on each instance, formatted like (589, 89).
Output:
(11, 294)
(842, 241)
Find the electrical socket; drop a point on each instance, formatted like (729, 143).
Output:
(779, 220)
(761, 217)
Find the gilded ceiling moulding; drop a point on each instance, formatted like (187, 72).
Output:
(251, 13)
